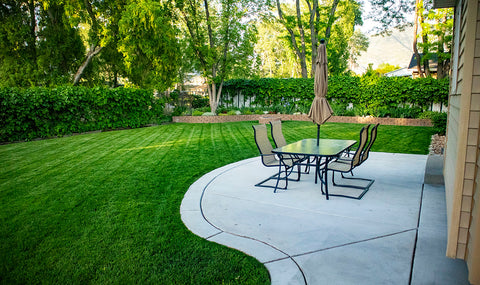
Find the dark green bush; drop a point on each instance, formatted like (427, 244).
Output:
(439, 121)
(42, 112)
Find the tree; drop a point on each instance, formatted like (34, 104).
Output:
(386, 68)
(37, 45)
(18, 56)
(148, 44)
(358, 43)
(276, 59)
(390, 14)
(433, 26)
(343, 31)
(60, 47)
(218, 34)
(437, 35)
(289, 22)
(321, 20)
(100, 19)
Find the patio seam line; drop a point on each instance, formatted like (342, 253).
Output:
(222, 231)
(354, 242)
(412, 263)
(214, 235)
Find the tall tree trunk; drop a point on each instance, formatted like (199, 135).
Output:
(314, 32)
(213, 93)
(94, 50)
(331, 19)
(426, 64)
(441, 65)
(32, 37)
(303, 63)
(415, 32)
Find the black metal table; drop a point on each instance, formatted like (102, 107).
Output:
(326, 148)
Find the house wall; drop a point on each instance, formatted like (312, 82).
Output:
(473, 249)
(461, 169)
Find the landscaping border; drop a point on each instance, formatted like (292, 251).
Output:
(262, 119)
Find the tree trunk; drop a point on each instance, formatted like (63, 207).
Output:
(442, 64)
(303, 60)
(32, 37)
(303, 63)
(314, 32)
(415, 32)
(426, 64)
(331, 19)
(94, 50)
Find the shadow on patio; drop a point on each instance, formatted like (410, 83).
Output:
(395, 235)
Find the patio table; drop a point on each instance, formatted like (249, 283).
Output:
(327, 149)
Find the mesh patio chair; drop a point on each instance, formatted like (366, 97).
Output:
(347, 164)
(373, 137)
(279, 140)
(366, 151)
(269, 159)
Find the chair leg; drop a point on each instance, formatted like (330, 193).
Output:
(365, 188)
(278, 176)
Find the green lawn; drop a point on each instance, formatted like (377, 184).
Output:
(104, 207)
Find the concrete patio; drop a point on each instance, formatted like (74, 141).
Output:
(395, 235)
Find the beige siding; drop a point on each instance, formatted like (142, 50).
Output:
(463, 134)
(473, 244)
(472, 171)
(462, 154)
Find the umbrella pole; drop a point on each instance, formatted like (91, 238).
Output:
(318, 134)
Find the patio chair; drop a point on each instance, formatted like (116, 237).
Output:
(373, 137)
(347, 164)
(279, 140)
(366, 151)
(269, 159)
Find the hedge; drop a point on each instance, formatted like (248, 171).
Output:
(370, 91)
(31, 113)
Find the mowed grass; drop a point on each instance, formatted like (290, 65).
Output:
(104, 207)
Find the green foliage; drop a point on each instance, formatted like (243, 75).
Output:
(386, 68)
(37, 46)
(31, 113)
(371, 95)
(439, 121)
(200, 102)
(149, 45)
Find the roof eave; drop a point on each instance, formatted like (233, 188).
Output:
(444, 4)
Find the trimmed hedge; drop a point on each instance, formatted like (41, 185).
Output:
(31, 113)
(367, 91)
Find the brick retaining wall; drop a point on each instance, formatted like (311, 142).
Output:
(262, 119)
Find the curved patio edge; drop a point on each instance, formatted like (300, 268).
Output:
(282, 268)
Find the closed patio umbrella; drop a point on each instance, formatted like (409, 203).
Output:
(320, 110)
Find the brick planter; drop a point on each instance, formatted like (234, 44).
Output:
(263, 119)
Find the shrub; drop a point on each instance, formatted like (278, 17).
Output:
(197, 113)
(439, 121)
(42, 112)
(179, 110)
(369, 92)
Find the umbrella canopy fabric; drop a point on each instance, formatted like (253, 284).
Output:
(320, 110)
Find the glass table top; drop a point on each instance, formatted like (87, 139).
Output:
(326, 147)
